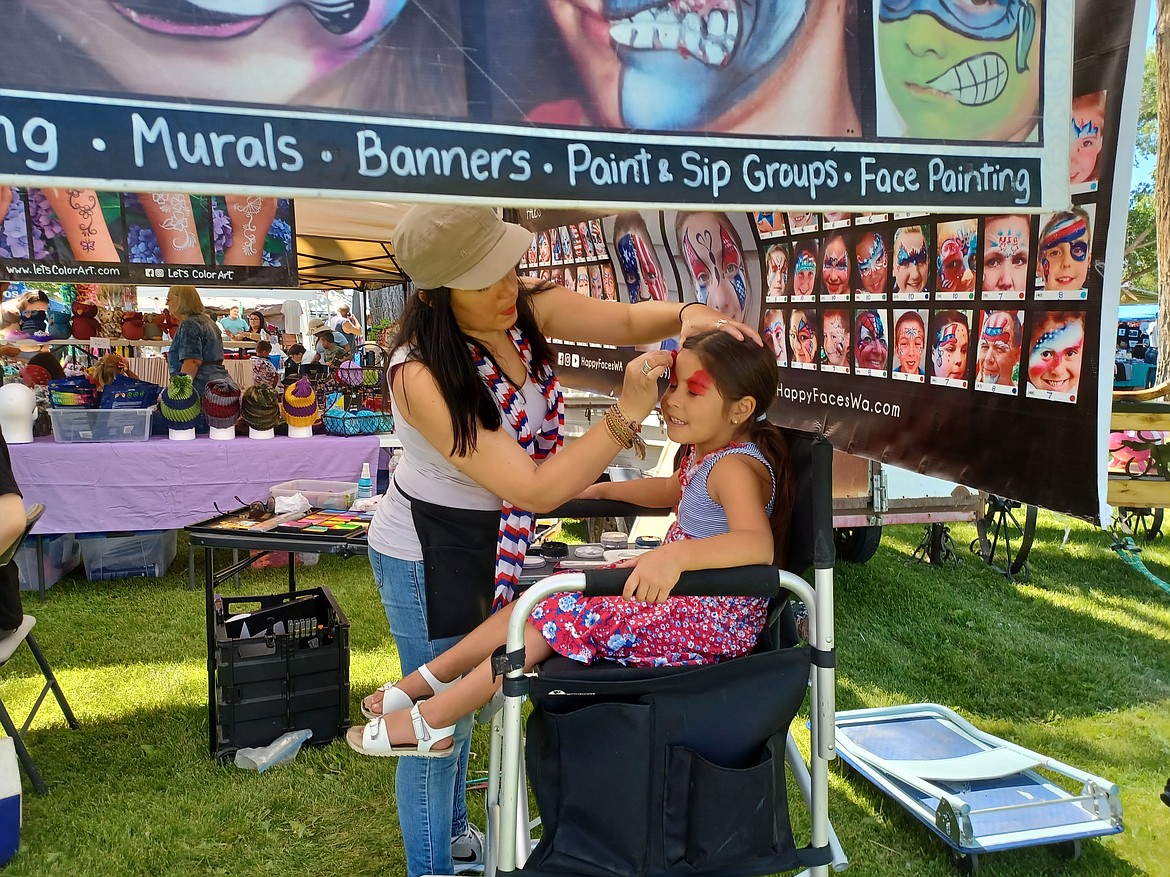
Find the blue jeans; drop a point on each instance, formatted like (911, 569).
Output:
(431, 796)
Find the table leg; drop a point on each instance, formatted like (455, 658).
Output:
(292, 573)
(191, 566)
(41, 589)
(209, 600)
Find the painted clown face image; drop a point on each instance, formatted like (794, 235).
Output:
(207, 49)
(1063, 262)
(1005, 253)
(870, 333)
(949, 348)
(965, 68)
(641, 271)
(804, 269)
(835, 348)
(713, 255)
(910, 343)
(776, 335)
(543, 252)
(776, 265)
(873, 262)
(957, 242)
(911, 259)
(717, 65)
(608, 283)
(835, 266)
(998, 352)
(1054, 359)
(802, 336)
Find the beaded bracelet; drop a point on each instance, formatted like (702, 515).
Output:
(624, 431)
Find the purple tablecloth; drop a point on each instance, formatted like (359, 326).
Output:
(161, 485)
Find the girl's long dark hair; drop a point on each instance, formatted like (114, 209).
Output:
(744, 368)
(429, 326)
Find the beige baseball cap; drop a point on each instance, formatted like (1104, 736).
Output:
(458, 246)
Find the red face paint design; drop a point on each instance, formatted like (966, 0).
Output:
(699, 383)
(674, 369)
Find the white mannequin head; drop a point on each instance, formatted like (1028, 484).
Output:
(18, 411)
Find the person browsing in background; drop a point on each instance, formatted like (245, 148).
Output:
(345, 323)
(257, 328)
(263, 371)
(331, 346)
(733, 490)
(478, 408)
(233, 324)
(292, 367)
(197, 349)
(12, 518)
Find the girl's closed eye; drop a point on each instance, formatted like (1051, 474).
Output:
(699, 383)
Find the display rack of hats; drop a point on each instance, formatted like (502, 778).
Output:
(575, 256)
(355, 399)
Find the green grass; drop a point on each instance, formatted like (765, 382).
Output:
(1075, 664)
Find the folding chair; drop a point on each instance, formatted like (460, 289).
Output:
(8, 646)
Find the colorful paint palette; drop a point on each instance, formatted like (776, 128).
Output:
(326, 523)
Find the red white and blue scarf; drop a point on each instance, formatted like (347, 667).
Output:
(516, 525)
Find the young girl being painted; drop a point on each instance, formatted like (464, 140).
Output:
(734, 493)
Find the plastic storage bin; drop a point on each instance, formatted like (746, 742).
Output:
(336, 495)
(101, 424)
(281, 664)
(61, 555)
(138, 556)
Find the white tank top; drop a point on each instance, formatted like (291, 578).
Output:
(425, 473)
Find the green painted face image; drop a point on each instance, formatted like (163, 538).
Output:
(949, 85)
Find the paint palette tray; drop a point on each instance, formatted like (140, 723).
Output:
(328, 523)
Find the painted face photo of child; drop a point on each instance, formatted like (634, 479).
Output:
(835, 343)
(958, 246)
(577, 243)
(1064, 254)
(871, 350)
(608, 282)
(835, 267)
(641, 270)
(558, 253)
(957, 69)
(582, 280)
(770, 224)
(950, 337)
(776, 334)
(805, 255)
(801, 223)
(1084, 149)
(595, 234)
(596, 287)
(530, 258)
(587, 240)
(803, 332)
(566, 244)
(1006, 248)
(777, 262)
(873, 266)
(997, 356)
(910, 345)
(911, 256)
(712, 253)
(1055, 349)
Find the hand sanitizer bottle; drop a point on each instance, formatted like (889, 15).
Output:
(365, 483)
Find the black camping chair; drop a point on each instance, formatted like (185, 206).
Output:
(670, 771)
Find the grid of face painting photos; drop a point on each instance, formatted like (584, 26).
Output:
(990, 304)
(575, 257)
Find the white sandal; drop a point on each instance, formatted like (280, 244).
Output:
(375, 741)
(400, 699)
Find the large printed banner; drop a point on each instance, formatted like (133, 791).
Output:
(966, 346)
(831, 104)
(79, 235)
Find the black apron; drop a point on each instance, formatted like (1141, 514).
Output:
(459, 560)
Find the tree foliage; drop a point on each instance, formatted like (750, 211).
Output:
(1141, 240)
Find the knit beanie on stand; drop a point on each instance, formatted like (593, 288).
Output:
(260, 407)
(221, 404)
(178, 405)
(300, 403)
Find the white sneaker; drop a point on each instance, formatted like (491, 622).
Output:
(467, 850)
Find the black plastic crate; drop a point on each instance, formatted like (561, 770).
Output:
(281, 664)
